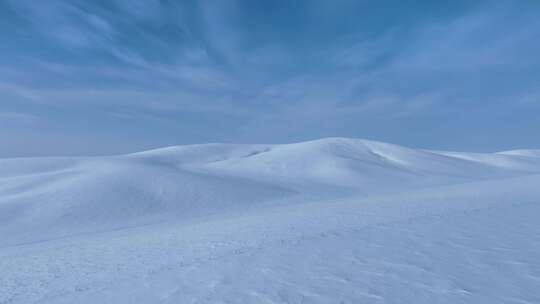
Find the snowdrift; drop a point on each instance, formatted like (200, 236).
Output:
(53, 197)
(334, 220)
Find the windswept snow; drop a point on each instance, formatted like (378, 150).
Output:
(334, 220)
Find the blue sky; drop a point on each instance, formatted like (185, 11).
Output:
(114, 76)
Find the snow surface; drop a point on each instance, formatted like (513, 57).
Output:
(334, 220)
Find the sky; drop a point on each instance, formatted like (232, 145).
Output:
(103, 77)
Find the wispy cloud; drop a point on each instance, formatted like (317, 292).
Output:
(16, 118)
(306, 68)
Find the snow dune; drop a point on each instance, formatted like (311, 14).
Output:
(335, 220)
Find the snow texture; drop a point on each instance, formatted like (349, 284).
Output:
(334, 220)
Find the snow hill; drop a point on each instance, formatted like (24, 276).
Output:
(335, 220)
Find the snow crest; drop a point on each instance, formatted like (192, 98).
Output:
(325, 221)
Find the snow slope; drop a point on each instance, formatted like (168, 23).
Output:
(334, 220)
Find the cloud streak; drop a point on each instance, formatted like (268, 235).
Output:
(265, 72)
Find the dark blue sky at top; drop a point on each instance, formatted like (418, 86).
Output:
(114, 76)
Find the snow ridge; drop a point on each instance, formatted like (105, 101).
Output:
(355, 220)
